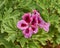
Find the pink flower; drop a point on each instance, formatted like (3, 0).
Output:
(41, 22)
(30, 22)
(28, 25)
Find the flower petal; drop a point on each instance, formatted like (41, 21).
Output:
(46, 26)
(35, 12)
(39, 19)
(34, 21)
(27, 33)
(34, 29)
(22, 25)
(27, 17)
(43, 24)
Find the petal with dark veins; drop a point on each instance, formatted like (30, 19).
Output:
(22, 25)
(34, 29)
(27, 33)
(34, 21)
(27, 17)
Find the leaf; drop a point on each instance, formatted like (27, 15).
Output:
(58, 38)
(2, 35)
(59, 11)
(25, 46)
(0, 17)
(6, 43)
(43, 40)
(23, 41)
(2, 46)
(1, 4)
(53, 19)
(11, 37)
(32, 45)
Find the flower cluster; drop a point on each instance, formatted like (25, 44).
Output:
(30, 22)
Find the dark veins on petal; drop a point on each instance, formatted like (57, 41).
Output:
(27, 30)
(34, 12)
(23, 25)
(34, 21)
(33, 28)
(27, 19)
(39, 20)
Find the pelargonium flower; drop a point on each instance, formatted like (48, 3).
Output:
(28, 25)
(30, 22)
(41, 22)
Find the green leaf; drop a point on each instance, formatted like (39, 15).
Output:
(59, 11)
(23, 41)
(2, 35)
(0, 17)
(58, 38)
(25, 46)
(1, 4)
(6, 43)
(32, 45)
(53, 19)
(2, 46)
(11, 37)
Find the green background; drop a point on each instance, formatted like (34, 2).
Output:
(12, 10)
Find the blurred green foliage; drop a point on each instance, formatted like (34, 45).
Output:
(12, 10)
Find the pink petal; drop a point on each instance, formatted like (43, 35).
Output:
(43, 24)
(40, 20)
(34, 29)
(46, 26)
(27, 33)
(34, 21)
(22, 25)
(27, 17)
(35, 12)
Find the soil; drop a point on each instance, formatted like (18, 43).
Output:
(50, 45)
(58, 46)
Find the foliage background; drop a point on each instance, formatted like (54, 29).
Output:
(12, 10)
